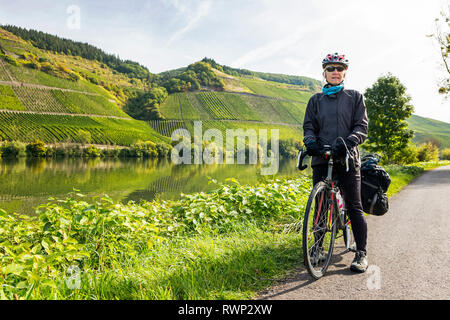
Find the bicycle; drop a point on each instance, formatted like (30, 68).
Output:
(325, 216)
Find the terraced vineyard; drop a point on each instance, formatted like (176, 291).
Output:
(36, 77)
(61, 128)
(166, 128)
(274, 110)
(53, 106)
(170, 108)
(277, 90)
(196, 110)
(232, 106)
(285, 131)
(216, 106)
(8, 99)
(39, 100)
(88, 104)
(3, 73)
(240, 107)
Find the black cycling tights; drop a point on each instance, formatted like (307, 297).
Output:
(350, 186)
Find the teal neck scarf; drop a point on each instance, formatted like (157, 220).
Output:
(329, 89)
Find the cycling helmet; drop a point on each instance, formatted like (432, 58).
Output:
(335, 58)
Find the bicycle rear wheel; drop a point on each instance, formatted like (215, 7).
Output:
(319, 231)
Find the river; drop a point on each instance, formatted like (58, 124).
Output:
(27, 183)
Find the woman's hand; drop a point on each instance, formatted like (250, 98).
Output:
(313, 148)
(339, 149)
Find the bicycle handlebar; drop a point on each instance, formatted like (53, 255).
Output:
(301, 155)
(327, 151)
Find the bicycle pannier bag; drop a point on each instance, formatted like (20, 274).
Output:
(375, 182)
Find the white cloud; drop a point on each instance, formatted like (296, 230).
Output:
(203, 10)
(284, 36)
(315, 25)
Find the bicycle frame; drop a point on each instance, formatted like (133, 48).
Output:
(330, 183)
(334, 212)
(323, 219)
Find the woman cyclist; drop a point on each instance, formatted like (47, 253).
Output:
(339, 112)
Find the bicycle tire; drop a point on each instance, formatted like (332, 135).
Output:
(316, 214)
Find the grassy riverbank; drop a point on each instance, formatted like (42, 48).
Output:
(227, 244)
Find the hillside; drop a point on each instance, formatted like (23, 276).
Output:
(245, 104)
(426, 129)
(251, 102)
(50, 96)
(57, 97)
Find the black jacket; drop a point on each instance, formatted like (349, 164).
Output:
(339, 115)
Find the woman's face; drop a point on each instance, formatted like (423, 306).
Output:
(335, 77)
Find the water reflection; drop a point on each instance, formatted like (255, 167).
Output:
(26, 183)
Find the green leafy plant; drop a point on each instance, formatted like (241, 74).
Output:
(428, 152)
(387, 109)
(445, 154)
(36, 149)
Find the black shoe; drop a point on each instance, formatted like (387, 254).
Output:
(360, 262)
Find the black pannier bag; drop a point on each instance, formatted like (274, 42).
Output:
(375, 182)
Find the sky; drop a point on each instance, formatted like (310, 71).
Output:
(280, 36)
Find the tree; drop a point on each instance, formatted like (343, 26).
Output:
(428, 152)
(145, 106)
(36, 149)
(442, 37)
(387, 109)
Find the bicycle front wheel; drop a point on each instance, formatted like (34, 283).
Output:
(319, 230)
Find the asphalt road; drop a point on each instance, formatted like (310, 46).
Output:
(408, 251)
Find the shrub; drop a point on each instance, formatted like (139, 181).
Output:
(145, 149)
(23, 56)
(32, 65)
(75, 151)
(445, 154)
(36, 149)
(406, 155)
(60, 152)
(63, 68)
(47, 67)
(163, 150)
(50, 153)
(427, 152)
(84, 136)
(12, 149)
(11, 60)
(289, 148)
(74, 76)
(111, 153)
(91, 152)
(124, 153)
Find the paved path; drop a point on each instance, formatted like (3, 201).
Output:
(408, 250)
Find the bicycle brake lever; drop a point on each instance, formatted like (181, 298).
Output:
(301, 156)
(346, 162)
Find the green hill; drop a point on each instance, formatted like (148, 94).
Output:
(57, 90)
(426, 130)
(53, 97)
